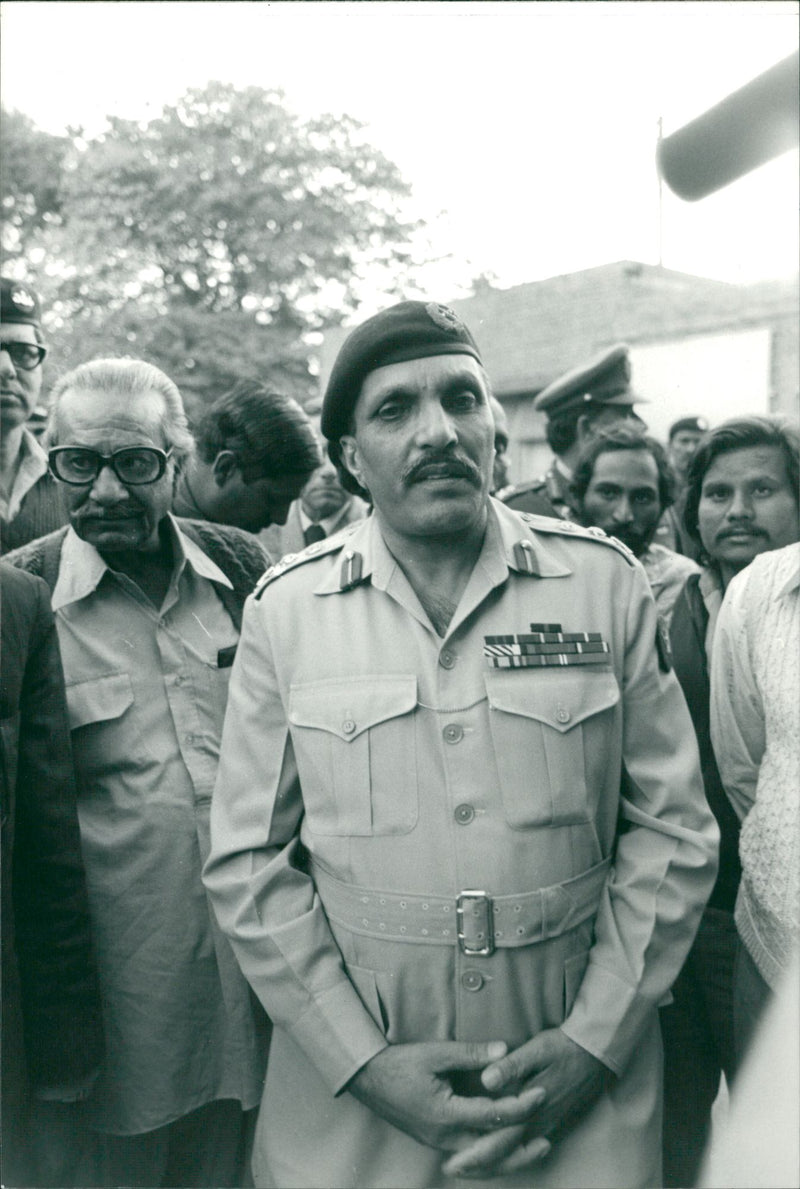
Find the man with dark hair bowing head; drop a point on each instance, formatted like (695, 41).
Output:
(420, 850)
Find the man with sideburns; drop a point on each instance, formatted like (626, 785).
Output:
(458, 837)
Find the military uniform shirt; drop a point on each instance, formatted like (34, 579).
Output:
(361, 748)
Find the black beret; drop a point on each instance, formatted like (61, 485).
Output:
(689, 425)
(18, 303)
(408, 330)
(604, 380)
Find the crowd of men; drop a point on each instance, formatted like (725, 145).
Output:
(369, 821)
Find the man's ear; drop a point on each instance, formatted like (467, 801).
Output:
(349, 455)
(223, 467)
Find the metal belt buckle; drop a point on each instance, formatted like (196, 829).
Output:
(475, 923)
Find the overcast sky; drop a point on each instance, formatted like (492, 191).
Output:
(531, 125)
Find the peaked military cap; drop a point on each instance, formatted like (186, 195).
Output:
(604, 380)
(688, 425)
(18, 303)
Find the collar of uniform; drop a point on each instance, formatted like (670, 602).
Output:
(504, 530)
(32, 466)
(512, 528)
(81, 567)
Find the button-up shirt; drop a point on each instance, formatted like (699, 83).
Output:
(146, 689)
(413, 769)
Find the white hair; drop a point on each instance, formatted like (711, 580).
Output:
(131, 378)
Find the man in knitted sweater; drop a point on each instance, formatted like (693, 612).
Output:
(31, 503)
(148, 610)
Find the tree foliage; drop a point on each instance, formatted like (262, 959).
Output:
(213, 239)
(29, 180)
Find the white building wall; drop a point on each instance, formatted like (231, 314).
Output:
(711, 375)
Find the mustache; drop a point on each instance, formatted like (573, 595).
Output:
(752, 530)
(441, 464)
(117, 512)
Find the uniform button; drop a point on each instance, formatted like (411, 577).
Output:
(562, 714)
(464, 814)
(471, 980)
(189, 739)
(179, 680)
(453, 733)
(348, 726)
(446, 659)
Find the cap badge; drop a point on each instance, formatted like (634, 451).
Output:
(22, 299)
(444, 317)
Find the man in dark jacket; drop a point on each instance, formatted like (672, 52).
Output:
(51, 1035)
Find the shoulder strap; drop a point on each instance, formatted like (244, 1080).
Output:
(311, 552)
(566, 528)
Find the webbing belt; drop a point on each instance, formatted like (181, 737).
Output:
(474, 920)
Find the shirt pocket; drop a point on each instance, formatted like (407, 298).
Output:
(550, 732)
(101, 733)
(354, 740)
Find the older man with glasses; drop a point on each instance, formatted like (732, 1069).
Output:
(30, 500)
(148, 609)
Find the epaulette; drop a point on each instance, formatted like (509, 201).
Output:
(539, 484)
(291, 561)
(566, 528)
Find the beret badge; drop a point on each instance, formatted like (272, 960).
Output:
(22, 299)
(443, 316)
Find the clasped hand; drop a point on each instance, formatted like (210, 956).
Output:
(530, 1094)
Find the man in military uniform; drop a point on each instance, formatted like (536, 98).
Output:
(30, 502)
(579, 405)
(458, 836)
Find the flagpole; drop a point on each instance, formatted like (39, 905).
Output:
(660, 200)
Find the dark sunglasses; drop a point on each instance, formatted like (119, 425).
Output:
(134, 466)
(26, 356)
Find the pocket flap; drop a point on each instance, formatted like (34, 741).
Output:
(554, 697)
(99, 699)
(348, 707)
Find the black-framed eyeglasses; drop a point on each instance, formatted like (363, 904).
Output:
(134, 465)
(26, 356)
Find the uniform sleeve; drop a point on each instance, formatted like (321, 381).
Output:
(61, 1006)
(264, 901)
(737, 713)
(666, 853)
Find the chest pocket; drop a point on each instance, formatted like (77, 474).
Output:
(354, 740)
(97, 716)
(551, 733)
